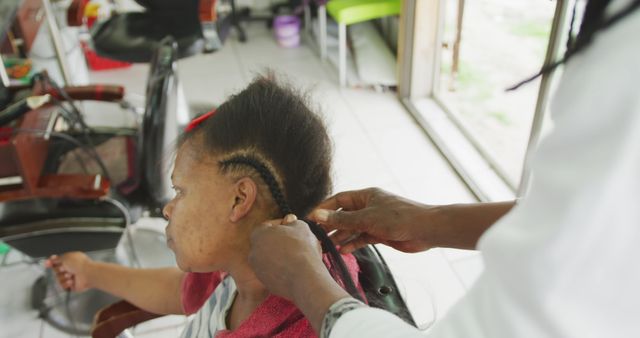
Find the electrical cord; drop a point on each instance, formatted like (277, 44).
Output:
(68, 99)
(116, 203)
(71, 118)
(67, 306)
(80, 162)
(45, 309)
(127, 231)
(74, 117)
(86, 130)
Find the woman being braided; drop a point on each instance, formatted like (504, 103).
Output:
(261, 155)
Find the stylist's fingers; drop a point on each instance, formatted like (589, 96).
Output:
(347, 200)
(357, 243)
(342, 200)
(290, 218)
(340, 237)
(340, 220)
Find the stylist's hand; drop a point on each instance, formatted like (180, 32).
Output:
(372, 216)
(70, 270)
(287, 258)
(281, 250)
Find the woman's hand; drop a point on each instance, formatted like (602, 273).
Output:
(372, 216)
(71, 270)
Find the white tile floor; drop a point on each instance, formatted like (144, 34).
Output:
(376, 144)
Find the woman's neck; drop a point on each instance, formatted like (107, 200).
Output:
(250, 294)
(250, 291)
(247, 284)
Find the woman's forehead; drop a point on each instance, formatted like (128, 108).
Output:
(191, 162)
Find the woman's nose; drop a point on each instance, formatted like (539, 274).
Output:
(166, 211)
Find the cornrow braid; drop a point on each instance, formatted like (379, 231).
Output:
(592, 21)
(266, 176)
(342, 273)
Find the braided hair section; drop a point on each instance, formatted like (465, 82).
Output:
(265, 174)
(338, 269)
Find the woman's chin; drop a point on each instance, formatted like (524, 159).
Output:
(190, 266)
(180, 262)
(184, 267)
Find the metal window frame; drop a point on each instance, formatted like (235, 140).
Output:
(421, 30)
(556, 38)
(56, 39)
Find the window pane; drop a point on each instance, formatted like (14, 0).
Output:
(501, 43)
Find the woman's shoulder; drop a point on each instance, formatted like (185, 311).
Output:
(197, 288)
(275, 317)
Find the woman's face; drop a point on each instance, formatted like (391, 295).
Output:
(200, 231)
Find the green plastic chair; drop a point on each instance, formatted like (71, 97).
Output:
(348, 12)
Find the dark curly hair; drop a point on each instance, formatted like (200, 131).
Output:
(268, 132)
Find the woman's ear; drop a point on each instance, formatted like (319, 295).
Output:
(246, 192)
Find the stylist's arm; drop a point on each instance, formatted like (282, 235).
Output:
(374, 216)
(286, 257)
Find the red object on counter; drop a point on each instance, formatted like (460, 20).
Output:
(97, 62)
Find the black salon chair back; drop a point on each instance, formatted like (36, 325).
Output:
(134, 36)
(160, 126)
(379, 285)
(40, 227)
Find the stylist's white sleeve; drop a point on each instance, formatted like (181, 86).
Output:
(565, 262)
(372, 322)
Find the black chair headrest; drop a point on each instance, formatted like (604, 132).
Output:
(160, 127)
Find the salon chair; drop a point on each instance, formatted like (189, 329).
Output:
(196, 25)
(375, 277)
(348, 12)
(45, 212)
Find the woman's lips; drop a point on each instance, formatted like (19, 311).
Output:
(169, 238)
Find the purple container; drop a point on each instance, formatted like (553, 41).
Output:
(287, 30)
